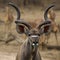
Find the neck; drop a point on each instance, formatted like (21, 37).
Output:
(29, 51)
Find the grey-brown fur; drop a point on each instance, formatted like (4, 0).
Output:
(25, 52)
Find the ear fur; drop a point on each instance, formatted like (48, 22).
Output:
(20, 29)
(47, 28)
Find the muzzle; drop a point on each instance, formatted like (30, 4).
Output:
(34, 42)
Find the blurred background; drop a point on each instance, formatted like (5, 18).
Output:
(25, 3)
(31, 11)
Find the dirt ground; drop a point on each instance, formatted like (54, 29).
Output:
(9, 51)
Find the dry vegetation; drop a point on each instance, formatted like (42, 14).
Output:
(8, 51)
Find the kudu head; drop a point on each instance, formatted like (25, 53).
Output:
(32, 34)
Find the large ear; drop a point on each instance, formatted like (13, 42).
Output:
(22, 29)
(45, 27)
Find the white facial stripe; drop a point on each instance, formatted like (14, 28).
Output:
(34, 35)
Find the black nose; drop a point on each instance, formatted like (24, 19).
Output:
(35, 43)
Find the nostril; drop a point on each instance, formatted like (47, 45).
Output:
(35, 44)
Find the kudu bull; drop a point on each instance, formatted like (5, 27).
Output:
(29, 49)
(54, 27)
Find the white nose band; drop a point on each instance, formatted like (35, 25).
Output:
(34, 35)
